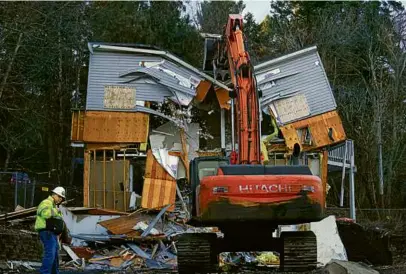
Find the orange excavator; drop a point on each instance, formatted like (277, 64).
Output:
(246, 200)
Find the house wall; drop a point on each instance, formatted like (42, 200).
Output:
(300, 73)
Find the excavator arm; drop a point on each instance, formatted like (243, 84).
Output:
(245, 94)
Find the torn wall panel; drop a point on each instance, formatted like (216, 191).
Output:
(318, 133)
(159, 186)
(299, 75)
(169, 133)
(155, 75)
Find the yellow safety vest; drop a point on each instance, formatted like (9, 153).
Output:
(46, 209)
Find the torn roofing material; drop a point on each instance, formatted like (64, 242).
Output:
(297, 82)
(153, 75)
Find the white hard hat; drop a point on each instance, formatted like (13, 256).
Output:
(60, 191)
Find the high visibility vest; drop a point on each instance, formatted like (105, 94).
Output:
(46, 209)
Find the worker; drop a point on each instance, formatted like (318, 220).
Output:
(50, 225)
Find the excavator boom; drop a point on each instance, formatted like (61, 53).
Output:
(245, 93)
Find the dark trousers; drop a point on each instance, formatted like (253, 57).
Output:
(50, 260)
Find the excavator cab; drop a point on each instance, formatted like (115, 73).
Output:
(199, 168)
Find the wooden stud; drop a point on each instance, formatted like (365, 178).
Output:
(114, 181)
(78, 127)
(94, 181)
(104, 178)
(72, 126)
(86, 178)
(124, 183)
(184, 155)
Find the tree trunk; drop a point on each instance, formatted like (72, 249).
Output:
(10, 64)
(7, 161)
(60, 138)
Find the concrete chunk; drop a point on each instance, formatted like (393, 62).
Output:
(345, 267)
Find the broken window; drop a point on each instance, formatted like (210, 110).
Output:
(305, 136)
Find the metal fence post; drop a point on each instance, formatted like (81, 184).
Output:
(33, 192)
(16, 191)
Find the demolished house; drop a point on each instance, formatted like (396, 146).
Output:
(137, 152)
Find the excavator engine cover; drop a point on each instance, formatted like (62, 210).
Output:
(275, 194)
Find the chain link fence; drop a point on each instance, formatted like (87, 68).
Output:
(30, 192)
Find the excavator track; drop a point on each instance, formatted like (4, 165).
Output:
(197, 253)
(299, 252)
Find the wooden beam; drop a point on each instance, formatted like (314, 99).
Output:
(324, 173)
(184, 156)
(86, 177)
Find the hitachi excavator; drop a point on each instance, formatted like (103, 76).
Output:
(246, 200)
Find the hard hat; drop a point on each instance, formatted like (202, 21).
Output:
(60, 191)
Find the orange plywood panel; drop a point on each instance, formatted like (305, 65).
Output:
(154, 170)
(223, 97)
(319, 129)
(202, 90)
(158, 193)
(115, 127)
(159, 187)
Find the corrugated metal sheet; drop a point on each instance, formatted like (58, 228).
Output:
(301, 72)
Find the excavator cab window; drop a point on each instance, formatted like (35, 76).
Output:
(209, 168)
(201, 167)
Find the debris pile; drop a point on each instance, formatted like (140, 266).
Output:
(236, 259)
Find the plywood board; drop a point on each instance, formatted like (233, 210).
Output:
(202, 90)
(159, 187)
(158, 193)
(119, 97)
(116, 127)
(319, 127)
(292, 108)
(154, 170)
(223, 98)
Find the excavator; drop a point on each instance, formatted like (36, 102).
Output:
(245, 199)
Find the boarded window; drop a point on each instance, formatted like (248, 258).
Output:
(292, 108)
(119, 97)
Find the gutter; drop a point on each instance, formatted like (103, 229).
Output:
(159, 53)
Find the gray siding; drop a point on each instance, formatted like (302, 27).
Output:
(299, 73)
(116, 68)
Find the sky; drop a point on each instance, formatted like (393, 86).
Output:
(259, 8)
